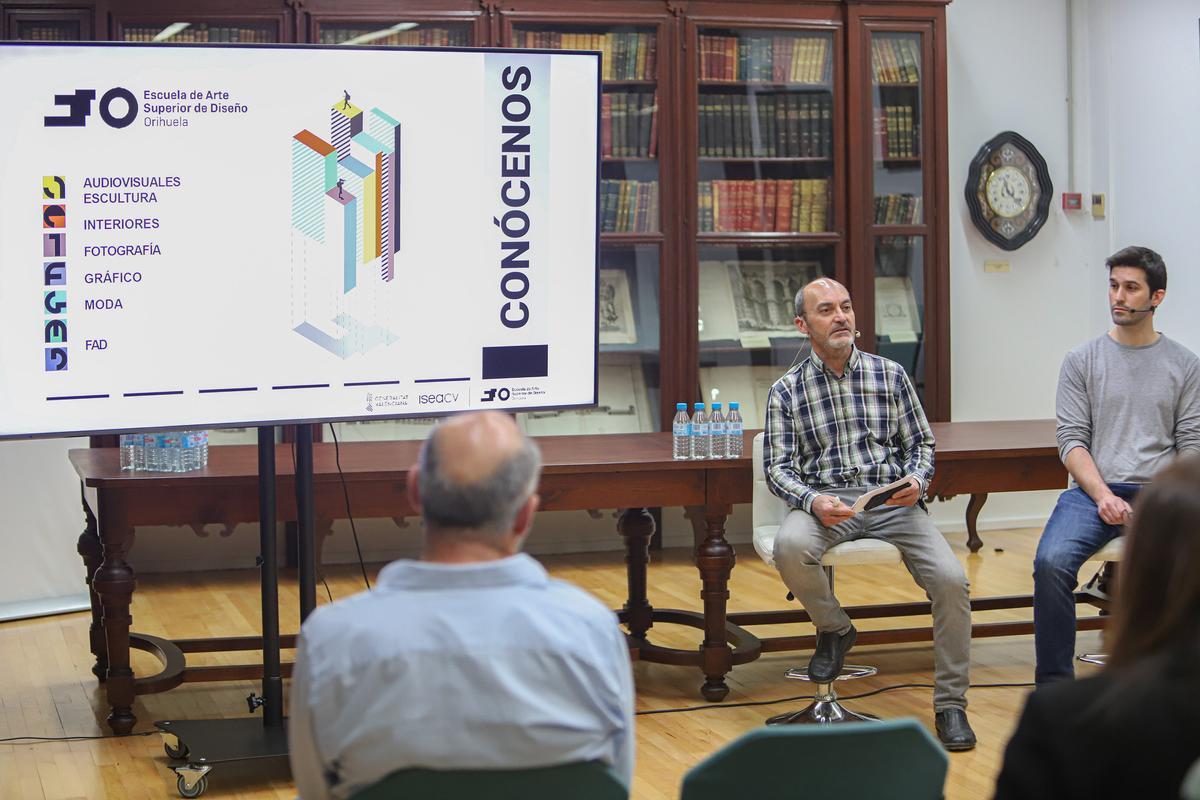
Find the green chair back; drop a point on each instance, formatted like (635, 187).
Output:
(894, 759)
(587, 780)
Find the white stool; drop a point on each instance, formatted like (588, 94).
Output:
(1110, 553)
(767, 513)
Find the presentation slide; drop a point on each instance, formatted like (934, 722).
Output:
(197, 236)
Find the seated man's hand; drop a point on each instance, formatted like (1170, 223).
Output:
(1113, 510)
(830, 510)
(906, 497)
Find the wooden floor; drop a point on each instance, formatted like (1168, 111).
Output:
(46, 688)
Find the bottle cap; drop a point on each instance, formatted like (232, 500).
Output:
(698, 406)
(734, 406)
(681, 406)
(716, 406)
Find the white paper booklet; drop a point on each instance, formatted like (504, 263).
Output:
(877, 497)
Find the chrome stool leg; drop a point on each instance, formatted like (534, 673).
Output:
(1093, 658)
(825, 708)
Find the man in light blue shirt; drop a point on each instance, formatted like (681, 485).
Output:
(472, 657)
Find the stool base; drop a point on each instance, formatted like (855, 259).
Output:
(823, 710)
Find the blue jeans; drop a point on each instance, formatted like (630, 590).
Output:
(1073, 534)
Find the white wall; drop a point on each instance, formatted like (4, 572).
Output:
(1008, 70)
(1151, 77)
(41, 517)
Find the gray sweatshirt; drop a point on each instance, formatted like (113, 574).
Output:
(1133, 408)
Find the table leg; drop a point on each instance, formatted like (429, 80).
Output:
(715, 560)
(636, 526)
(90, 551)
(974, 506)
(114, 583)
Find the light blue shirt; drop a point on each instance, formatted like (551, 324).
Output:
(490, 665)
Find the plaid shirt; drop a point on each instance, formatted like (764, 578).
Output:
(864, 429)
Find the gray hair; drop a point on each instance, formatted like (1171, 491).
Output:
(490, 504)
(799, 301)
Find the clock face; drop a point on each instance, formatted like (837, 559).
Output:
(1008, 191)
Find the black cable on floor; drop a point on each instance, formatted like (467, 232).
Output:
(35, 739)
(798, 698)
(337, 458)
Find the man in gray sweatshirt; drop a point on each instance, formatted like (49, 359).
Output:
(1128, 402)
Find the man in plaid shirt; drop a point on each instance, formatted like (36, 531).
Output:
(840, 423)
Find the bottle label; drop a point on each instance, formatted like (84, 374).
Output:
(718, 428)
(679, 429)
(700, 429)
(735, 428)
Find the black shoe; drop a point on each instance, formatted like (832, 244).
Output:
(953, 729)
(830, 652)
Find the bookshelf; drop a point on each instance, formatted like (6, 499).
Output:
(747, 145)
(40, 24)
(898, 98)
(254, 22)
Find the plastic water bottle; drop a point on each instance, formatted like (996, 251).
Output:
(133, 455)
(733, 432)
(716, 427)
(193, 450)
(681, 438)
(701, 435)
(151, 453)
(170, 451)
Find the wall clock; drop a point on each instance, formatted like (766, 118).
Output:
(1008, 190)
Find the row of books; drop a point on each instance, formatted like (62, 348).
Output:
(796, 206)
(898, 209)
(417, 37)
(765, 59)
(628, 56)
(895, 60)
(896, 132)
(787, 125)
(629, 124)
(47, 33)
(628, 206)
(202, 32)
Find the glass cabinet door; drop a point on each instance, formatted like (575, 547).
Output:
(47, 25)
(899, 180)
(767, 220)
(631, 240)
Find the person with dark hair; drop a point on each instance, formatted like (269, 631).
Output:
(1132, 731)
(470, 658)
(839, 423)
(1128, 402)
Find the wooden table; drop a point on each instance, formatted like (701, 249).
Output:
(978, 458)
(581, 472)
(629, 472)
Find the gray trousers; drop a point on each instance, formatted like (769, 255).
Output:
(802, 540)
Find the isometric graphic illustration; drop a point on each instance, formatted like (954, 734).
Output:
(345, 228)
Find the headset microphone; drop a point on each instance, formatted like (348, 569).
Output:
(1135, 310)
(858, 334)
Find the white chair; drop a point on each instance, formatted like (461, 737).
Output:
(1097, 586)
(767, 514)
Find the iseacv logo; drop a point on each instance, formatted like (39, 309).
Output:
(79, 108)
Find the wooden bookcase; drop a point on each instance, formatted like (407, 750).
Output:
(748, 145)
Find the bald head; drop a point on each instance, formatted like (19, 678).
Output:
(475, 472)
(471, 447)
(820, 286)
